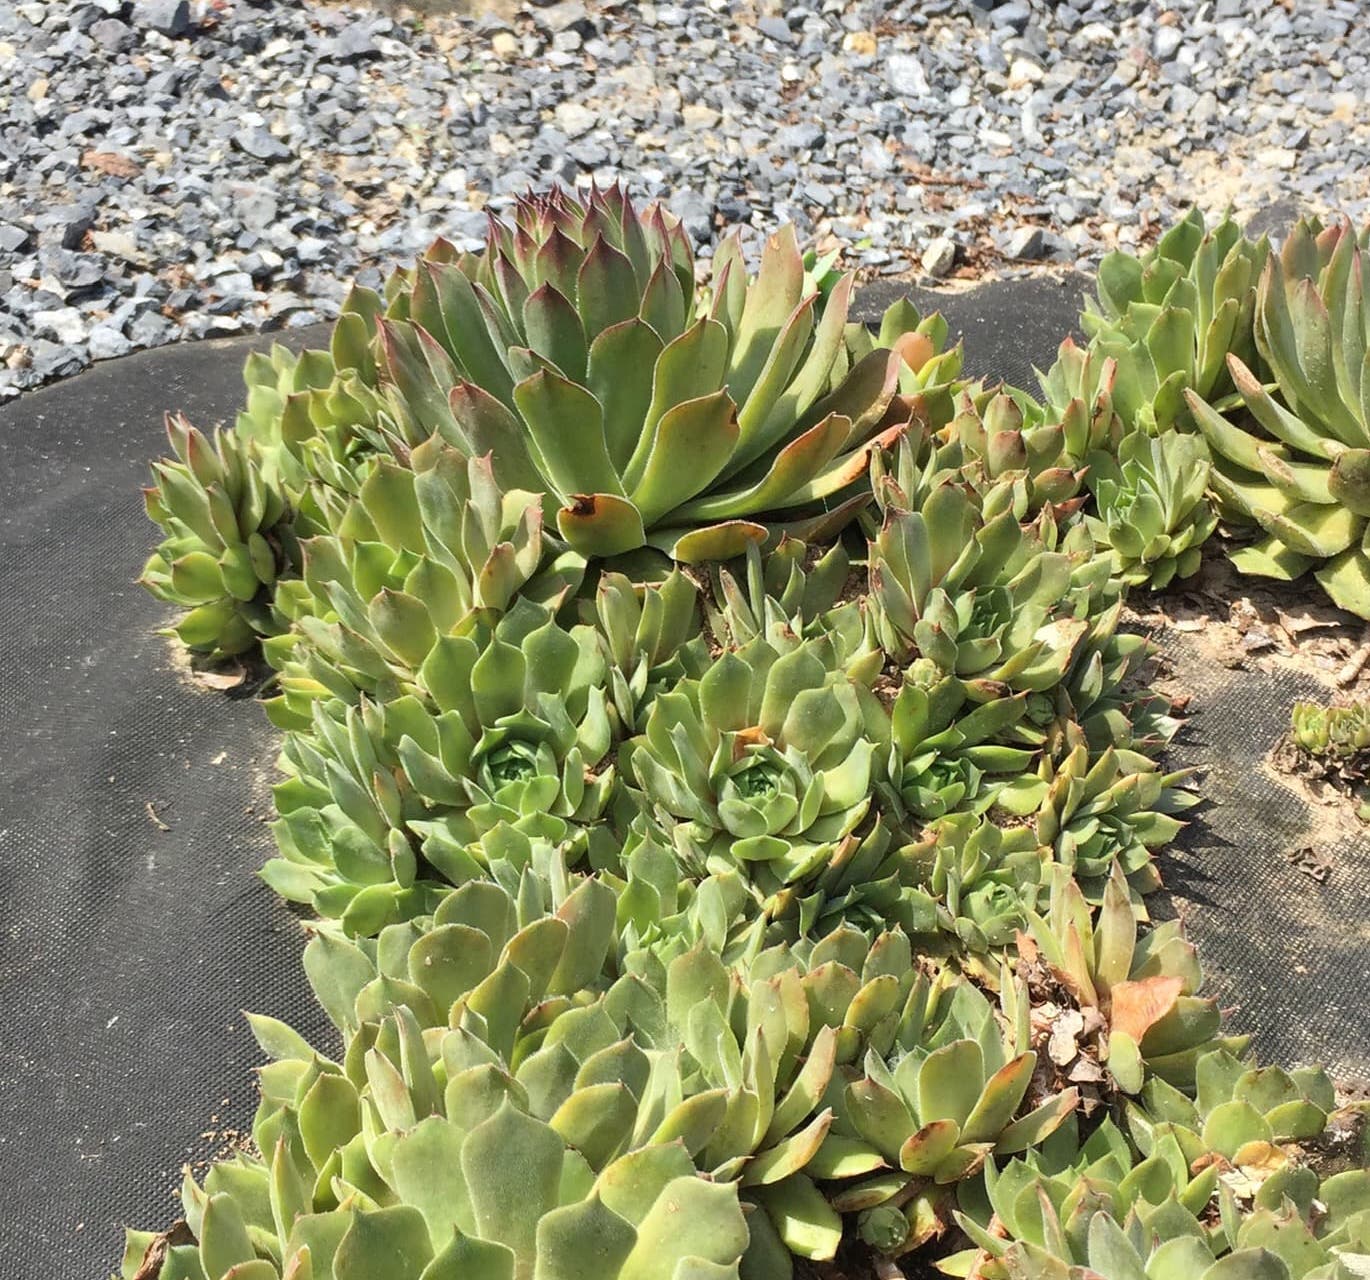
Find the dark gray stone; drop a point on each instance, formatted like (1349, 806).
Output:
(149, 329)
(112, 35)
(260, 145)
(807, 136)
(1274, 219)
(166, 17)
(354, 43)
(569, 15)
(1026, 244)
(105, 342)
(776, 29)
(70, 224)
(1015, 15)
(54, 360)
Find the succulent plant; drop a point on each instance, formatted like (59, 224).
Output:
(949, 754)
(652, 638)
(928, 1109)
(765, 764)
(1077, 392)
(448, 1140)
(823, 1005)
(423, 551)
(974, 881)
(292, 399)
(1102, 702)
(574, 350)
(1152, 513)
(678, 1047)
(1267, 1245)
(1299, 466)
(408, 1178)
(1072, 1205)
(556, 928)
(1096, 815)
(636, 1234)
(1341, 731)
(510, 745)
(1049, 1194)
(320, 417)
(788, 588)
(1239, 1111)
(1041, 451)
(753, 1047)
(1170, 318)
(853, 983)
(976, 594)
(868, 883)
(1143, 986)
(270, 379)
(1333, 743)
(420, 551)
(226, 542)
(242, 501)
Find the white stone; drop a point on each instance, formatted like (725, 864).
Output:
(64, 323)
(106, 342)
(575, 120)
(939, 257)
(906, 75)
(116, 244)
(698, 116)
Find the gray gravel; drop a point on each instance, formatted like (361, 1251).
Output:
(184, 168)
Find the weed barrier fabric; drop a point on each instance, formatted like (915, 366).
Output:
(132, 928)
(1285, 947)
(1009, 327)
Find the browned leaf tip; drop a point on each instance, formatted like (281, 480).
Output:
(151, 1265)
(754, 736)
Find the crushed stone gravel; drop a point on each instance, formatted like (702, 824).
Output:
(186, 168)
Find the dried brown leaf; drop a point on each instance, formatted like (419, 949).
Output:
(113, 163)
(230, 678)
(1137, 1006)
(1061, 1046)
(1085, 1070)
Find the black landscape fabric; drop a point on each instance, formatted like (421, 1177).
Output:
(132, 928)
(131, 822)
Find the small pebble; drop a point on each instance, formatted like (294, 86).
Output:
(939, 257)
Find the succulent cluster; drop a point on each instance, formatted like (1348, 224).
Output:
(1332, 743)
(1151, 507)
(225, 545)
(726, 794)
(1262, 354)
(1170, 319)
(1339, 731)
